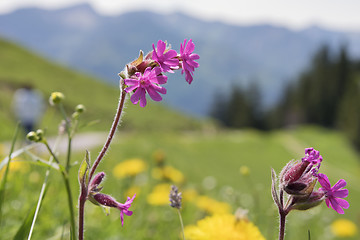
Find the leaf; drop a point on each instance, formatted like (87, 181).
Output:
(84, 170)
(24, 229)
(273, 188)
(15, 154)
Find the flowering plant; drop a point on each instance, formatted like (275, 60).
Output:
(298, 180)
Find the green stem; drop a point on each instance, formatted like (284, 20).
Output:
(3, 183)
(182, 224)
(65, 177)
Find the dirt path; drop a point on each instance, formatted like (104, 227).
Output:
(80, 143)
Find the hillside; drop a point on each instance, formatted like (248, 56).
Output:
(18, 65)
(81, 38)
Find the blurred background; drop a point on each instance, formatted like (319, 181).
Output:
(274, 76)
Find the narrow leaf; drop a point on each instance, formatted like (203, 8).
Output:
(273, 188)
(24, 229)
(4, 179)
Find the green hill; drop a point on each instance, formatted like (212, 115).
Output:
(18, 66)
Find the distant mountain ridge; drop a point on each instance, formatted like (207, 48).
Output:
(82, 39)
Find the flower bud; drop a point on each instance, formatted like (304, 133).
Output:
(80, 108)
(56, 98)
(305, 203)
(96, 182)
(32, 136)
(40, 134)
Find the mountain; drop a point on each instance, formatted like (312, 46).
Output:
(101, 45)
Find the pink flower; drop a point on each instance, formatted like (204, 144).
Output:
(312, 156)
(165, 58)
(334, 194)
(108, 201)
(147, 82)
(188, 58)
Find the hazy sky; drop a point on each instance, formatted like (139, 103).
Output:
(336, 14)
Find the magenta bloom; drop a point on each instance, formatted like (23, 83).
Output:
(312, 156)
(108, 201)
(188, 58)
(334, 194)
(147, 82)
(165, 58)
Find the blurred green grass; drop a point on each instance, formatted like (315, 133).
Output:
(199, 155)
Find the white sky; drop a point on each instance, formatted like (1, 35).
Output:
(335, 14)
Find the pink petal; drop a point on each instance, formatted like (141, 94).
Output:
(336, 206)
(324, 181)
(190, 47)
(343, 193)
(142, 98)
(343, 203)
(340, 184)
(153, 94)
(161, 46)
(136, 96)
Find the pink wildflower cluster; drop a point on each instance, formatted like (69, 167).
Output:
(298, 179)
(146, 74)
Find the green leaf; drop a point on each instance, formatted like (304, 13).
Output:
(84, 169)
(24, 229)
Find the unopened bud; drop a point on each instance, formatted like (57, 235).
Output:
(32, 136)
(305, 203)
(80, 108)
(40, 134)
(56, 98)
(96, 181)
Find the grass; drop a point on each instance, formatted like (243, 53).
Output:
(198, 155)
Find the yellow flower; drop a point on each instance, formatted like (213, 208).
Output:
(343, 228)
(244, 170)
(189, 195)
(212, 206)
(168, 173)
(133, 190)
(224, 227)
(129, 168)
(160, 195)
(16, 165)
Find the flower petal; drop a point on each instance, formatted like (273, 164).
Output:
(340, 184)
(324, 181)
(343, 193)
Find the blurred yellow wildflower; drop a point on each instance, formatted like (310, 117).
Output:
(168, 173)
(223, 227)
(159, 157)
(343, 228)
(133, 190)
(160, 195)
(244, 170)
(129, 168)
(16, 165)
(212, 206)
(189, 195)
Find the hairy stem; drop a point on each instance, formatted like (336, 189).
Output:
(84, 194)
(282, 224)
(111, 133)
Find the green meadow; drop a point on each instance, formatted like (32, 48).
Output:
(209, 157)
